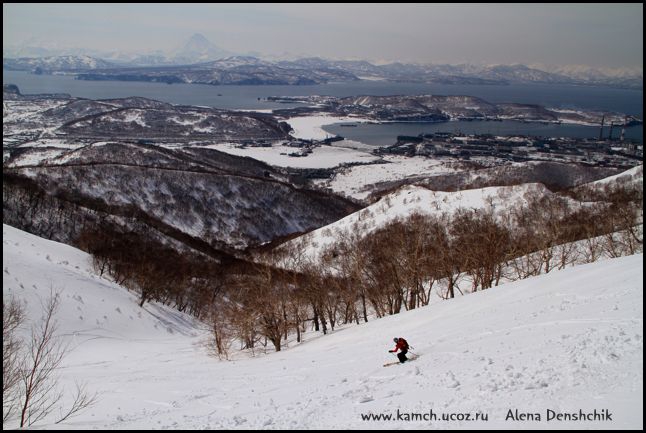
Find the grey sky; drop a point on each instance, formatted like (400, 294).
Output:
(601, 35)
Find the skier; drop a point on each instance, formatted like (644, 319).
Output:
(403, 346)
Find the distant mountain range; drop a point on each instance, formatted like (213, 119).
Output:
(195, 49)
(200, 61)
(47, 65)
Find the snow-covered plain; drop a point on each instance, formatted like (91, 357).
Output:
(306, 128)
(278, 155)
(566, 341)
(356, 181)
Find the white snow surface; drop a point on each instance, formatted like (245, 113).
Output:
(566, 341)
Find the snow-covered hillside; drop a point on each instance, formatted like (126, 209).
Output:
(634, 175)
(91, 307)
(411, 199)
(567, 341)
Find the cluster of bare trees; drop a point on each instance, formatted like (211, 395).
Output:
(552, 232)
(278, 295)
(272, 301)
(156, 272)
(30, 385)
(398, 266)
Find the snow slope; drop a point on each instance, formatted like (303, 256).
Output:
(564, 341)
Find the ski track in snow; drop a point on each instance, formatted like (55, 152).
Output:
(568, 340)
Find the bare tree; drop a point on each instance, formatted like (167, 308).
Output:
(567, 254)
(82, 400)
(40, 394)
(222, 334)
(39, 389)
(12, 318)
(261, 299)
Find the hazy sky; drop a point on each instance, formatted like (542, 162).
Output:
(602, 35)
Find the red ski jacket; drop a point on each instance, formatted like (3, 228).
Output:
(401, 345)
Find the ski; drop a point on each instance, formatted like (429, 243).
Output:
(412, 358)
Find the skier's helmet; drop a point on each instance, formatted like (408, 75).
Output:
(395, 339)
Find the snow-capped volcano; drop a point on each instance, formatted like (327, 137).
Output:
(198, 49)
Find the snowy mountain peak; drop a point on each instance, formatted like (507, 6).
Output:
(199, 49)
(197, 42)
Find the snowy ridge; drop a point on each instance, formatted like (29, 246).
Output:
(634, 175)
(412, 199)
(566, 341)
(632, 178)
